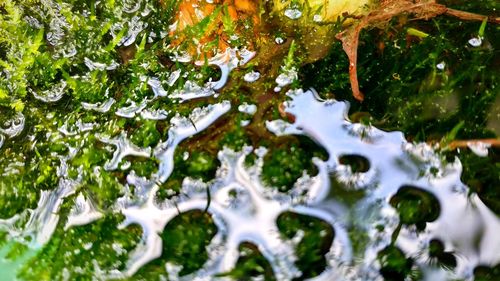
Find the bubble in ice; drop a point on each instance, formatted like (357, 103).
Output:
(475, 42)
(247, 108)
(293, 13)
(251, 76)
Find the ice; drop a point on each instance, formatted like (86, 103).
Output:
(124, 147)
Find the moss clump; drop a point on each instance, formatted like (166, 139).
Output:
(482, 176)
(394, 265)
(486, 273)
(80, 252)
(251, 263)
(415, 206)
(421, 86)
(315, 243)
(286, 162)
(185, 239)
(439, 256)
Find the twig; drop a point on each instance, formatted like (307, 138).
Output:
(465, 143)
(471, 16)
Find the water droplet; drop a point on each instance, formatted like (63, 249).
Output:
(317, 18)
(251, 76)
(247, 108)
(293, 13)
(475, 42)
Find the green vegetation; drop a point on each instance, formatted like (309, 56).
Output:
(419, 77)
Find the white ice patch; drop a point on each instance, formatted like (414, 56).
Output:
(251, 76)
(124, 147)
(101, 107)
(51, 95)
(227, 61)
(83, 212)
(158, 114)
(36, 226)
(77, 128)
(395, 163)
(190, 91)
(131, 110)
(247, 108)
(92, 65)
(13, 127)
(479, 148)
(285, 78)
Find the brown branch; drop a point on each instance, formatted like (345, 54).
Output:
(471, 16)
(465, 143)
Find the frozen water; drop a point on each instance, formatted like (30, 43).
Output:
(52, 95)
(251, 76)
(227, 61)
(14, 126)
(293, 13)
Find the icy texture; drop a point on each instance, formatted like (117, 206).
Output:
(99, 107)
(479, 148)
(124, 147)
(227, 61)
(14, 126)
(83, 212)
(191, 90)
(52, 95)
(244, 210)
(131, 110)
(36, 226)
(251, 76)
(247, 108)
(395, 163)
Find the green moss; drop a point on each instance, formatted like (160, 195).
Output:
(315, 243)
(284, 164)
(76, 252)
(146, 134)
(394, 265)
(202, 165)
(482, 176)
(415, 206)
(185, 239)
(251, 263)
(404, 90)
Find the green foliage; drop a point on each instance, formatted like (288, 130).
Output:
(251, 263)
(482, 176)
(317, 239)
(82, 251)
(403, 86)
(415, 206)
(185, 239)
(284, 164)
(394, 265)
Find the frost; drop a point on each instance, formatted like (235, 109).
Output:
(124, 147)
(227, 61)
(14, 126)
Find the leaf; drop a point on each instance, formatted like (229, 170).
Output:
(17, 105)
